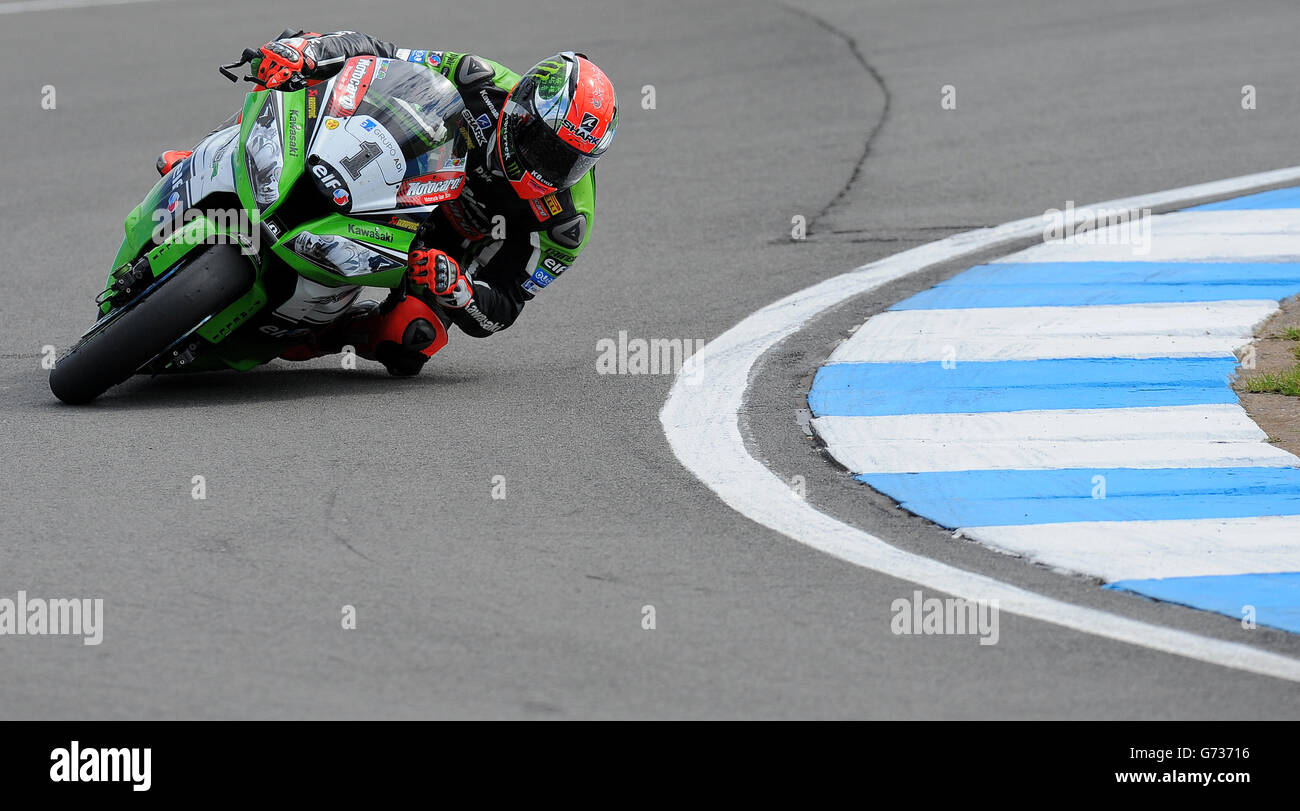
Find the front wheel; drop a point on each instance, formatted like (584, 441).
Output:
(101, 360)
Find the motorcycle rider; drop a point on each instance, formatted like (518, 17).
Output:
(525, 211)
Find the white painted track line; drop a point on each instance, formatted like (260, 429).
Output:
(1155, 437)
(1246, 221)
(701, 420)
(1164, 330)
(1137, 550)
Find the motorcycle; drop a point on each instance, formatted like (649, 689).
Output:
(262, 238)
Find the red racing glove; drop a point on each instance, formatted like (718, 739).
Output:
(433, 270)
(287, 63)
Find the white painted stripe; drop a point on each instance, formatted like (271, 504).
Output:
(886, 456)
(1245, 221)
(1201, 329)
(1172, 247)
(1190, 235)
(701, 420)
(55, 5)
(1224, 436)
(1125, 550)
(1219, 422)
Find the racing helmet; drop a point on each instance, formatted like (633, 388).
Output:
(556, 123)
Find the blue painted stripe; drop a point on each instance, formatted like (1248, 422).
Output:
(977, 498)
(1278, 198)
(1021, 273)
(1275, 597)
(1065, 284)
(876, 389)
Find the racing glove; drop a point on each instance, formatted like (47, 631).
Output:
(287, 63)
(433, 270)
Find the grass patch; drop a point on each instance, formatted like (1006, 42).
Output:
(1292, 334)
(1287, 382)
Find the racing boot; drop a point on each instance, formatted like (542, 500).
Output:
(401, 333)
(402, 337)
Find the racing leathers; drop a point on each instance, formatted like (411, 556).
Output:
(508, 248)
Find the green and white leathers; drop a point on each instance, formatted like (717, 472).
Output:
(267, 233)
(516, 247)
(511, 247)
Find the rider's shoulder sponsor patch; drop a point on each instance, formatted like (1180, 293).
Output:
(433, 59)
(541, 278)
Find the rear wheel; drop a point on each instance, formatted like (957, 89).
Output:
(212, 282)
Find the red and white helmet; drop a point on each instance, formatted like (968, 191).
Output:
(557, 122)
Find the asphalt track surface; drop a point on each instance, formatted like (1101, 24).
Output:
(329, 487)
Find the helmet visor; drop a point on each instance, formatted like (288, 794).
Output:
(542, 152)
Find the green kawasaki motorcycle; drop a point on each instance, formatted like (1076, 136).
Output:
(262, 238)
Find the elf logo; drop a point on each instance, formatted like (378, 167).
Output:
(77, 765)
(327, 178)
(331, 184)
(281, 332)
